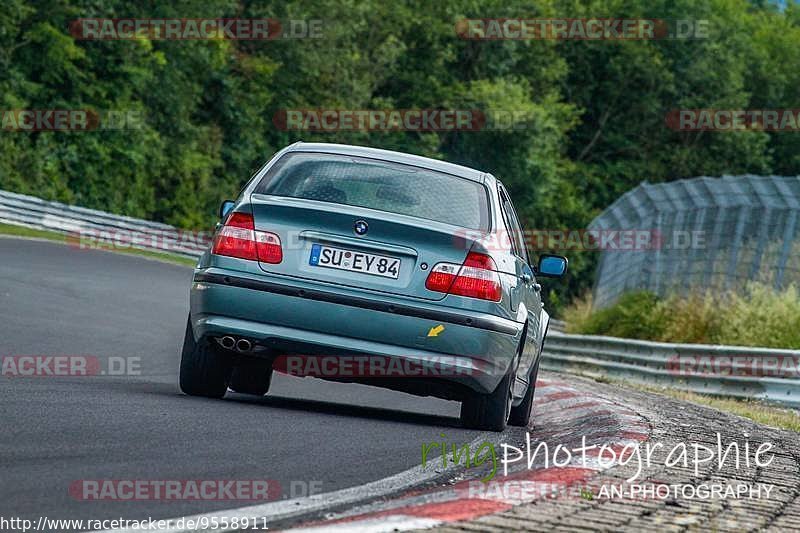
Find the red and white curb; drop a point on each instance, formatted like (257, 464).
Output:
(565, 416)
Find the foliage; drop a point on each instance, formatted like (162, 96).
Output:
(758, 316)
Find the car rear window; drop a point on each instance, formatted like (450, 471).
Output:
(382, 185)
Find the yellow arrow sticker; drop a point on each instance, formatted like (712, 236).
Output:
(434, 331)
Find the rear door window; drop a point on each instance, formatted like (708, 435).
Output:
(512, 222)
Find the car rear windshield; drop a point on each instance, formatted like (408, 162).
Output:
(377, 184)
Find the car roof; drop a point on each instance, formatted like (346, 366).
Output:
(389, 155)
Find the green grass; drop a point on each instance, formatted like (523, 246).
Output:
(761, 412)
(754, 316)
(18, 231)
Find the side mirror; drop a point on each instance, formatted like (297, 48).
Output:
(552, 266)
(225, 208)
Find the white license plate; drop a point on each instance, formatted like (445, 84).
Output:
(377, 265)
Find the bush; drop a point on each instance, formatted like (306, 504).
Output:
(634, 315)
(761, 317)
(757, 316)
(694, 318)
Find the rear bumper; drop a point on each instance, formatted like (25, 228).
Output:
(473, 350)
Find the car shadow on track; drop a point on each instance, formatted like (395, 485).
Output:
(295, 404)
(375, 413)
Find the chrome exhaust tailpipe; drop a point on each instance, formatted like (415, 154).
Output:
(244, 345)
(227, 342)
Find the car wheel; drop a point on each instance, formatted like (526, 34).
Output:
(204, 370)
(252, 376)
(489, 412)
(521, 414)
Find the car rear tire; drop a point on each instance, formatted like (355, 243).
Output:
(521, 414)
(252, 376)
(489, 412)
(205, 371)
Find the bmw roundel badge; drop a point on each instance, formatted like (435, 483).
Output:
(361, 227)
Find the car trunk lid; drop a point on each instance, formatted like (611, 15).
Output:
(321, 242)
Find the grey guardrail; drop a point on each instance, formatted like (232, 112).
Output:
(731, 371)
(92, 226)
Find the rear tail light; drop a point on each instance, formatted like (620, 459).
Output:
(238, 238)
(476, 278)
(268, 246)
